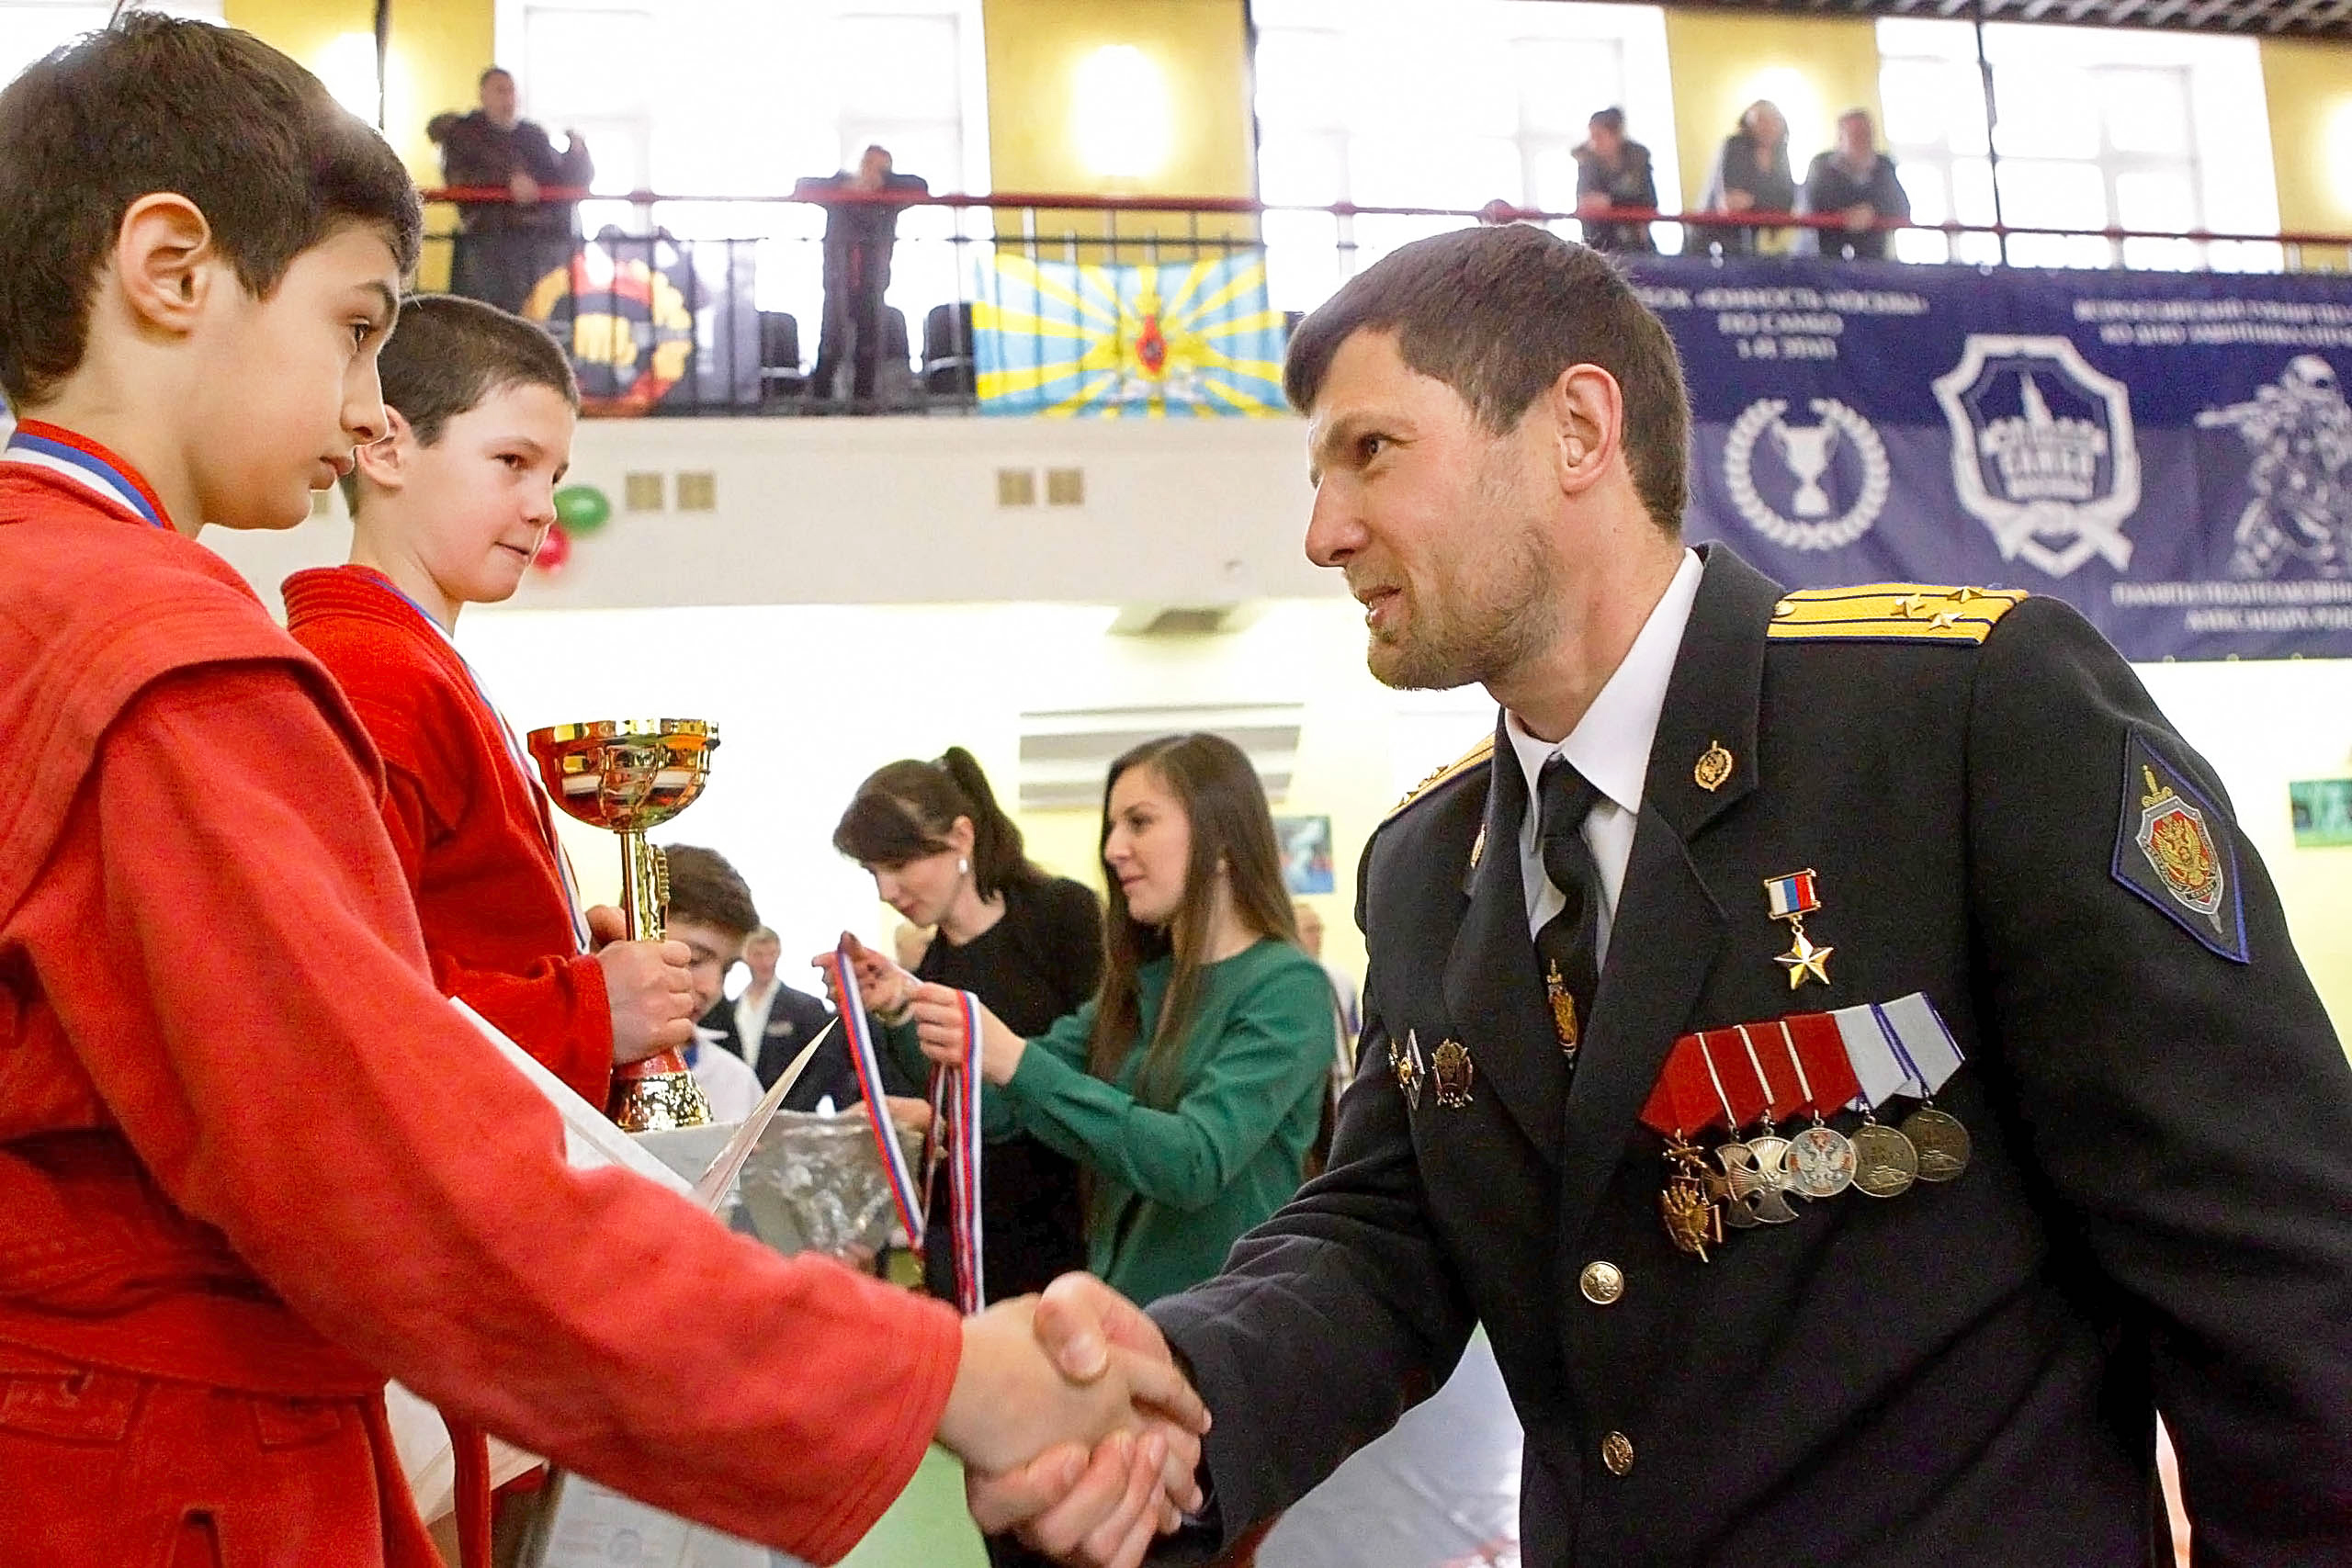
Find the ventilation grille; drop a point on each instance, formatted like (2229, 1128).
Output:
(1065, 754)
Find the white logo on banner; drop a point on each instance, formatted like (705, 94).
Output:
(2301, 432)
(2054, 489)
(1807, 451)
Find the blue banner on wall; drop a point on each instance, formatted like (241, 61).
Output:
(2170, 453)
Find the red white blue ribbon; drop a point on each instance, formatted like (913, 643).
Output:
(956, 1110)
(841, 974)
(43, 446)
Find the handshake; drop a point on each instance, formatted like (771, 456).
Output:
(1076, 1429)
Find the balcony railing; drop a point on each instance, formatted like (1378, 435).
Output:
(689, 304)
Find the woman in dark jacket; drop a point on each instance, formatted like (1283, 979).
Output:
(944, 854)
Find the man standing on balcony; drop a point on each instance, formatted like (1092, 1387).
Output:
(861, 228)
(1613, 170)
(504, 247)
(1857, 181)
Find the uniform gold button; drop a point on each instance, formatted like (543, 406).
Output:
(1602, 1282)
(1617, 1452)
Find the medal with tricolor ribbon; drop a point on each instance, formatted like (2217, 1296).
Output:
(841, 976)
(955, 1133)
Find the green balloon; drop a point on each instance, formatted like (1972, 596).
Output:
(583, 509)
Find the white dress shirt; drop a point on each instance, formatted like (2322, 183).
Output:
(752, 1010)
(1610, 747)
(732, 1089)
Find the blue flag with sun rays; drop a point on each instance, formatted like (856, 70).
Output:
(1152, 341)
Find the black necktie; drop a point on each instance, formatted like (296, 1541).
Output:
(1569, 944)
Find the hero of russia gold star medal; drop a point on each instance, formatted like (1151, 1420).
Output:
(1792, 897)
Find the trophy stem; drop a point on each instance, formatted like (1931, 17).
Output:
(645, 888)
(658, 1093)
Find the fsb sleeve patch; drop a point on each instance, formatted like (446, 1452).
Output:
(2174, 849)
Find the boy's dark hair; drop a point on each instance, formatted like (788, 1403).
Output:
(703, 887)
(446, 354)
(155, 104)
(1496, 314)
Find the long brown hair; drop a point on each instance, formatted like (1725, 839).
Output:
(905, 810)
(1226, 807)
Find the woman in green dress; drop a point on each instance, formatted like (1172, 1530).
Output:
(1192, 1086)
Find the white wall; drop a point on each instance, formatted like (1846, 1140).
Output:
(904, 511)
(882, 606)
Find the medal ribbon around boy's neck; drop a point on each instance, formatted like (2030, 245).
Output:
(40, 445)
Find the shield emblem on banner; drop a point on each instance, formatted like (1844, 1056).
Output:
(2043, 450)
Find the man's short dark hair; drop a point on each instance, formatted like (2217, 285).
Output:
(1498, 313)
(703, 887)
(489, 71)
(1608, 120)
(155, 103)
(446, 354)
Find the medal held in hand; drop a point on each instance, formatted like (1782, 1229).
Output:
(627, 775)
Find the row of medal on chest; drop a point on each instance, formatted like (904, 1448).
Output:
(1758, 1075)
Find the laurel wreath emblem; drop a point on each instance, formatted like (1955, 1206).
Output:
(1836, 532)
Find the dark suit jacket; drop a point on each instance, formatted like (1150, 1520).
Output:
(793, 1018)
(2159, 1213)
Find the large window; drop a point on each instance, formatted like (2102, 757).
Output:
(30, 29)
(2096, 129)
(716, 98)
(1393, 103)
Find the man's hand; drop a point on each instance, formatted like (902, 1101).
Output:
(1860, 216)
(1100, 1510)
(939, 1024)
(883, 988)
(652, 993)
(525, 189)
(1739, 200)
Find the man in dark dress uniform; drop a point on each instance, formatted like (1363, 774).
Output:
(1709, 803)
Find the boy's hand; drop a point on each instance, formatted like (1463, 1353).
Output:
(1012, 1402)
(652, 998)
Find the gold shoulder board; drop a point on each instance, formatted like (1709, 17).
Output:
(1473, 758)
(1884, 612)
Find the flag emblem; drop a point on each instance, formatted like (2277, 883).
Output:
(1157, 340)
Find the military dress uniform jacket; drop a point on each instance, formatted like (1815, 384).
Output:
(2158, 1215)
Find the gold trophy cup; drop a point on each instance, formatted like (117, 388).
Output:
(626, 775)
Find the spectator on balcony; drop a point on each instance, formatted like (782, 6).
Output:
(1857, 180)
(1614, 171)
(862, 208)
(506, 246)
(1751, 176)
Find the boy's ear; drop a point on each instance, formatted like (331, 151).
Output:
(165, 261)
(385, 464)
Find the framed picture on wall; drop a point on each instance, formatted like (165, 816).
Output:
(1305, 845)
(2323, 812)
